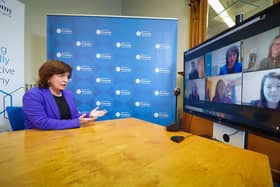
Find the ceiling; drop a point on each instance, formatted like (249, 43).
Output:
(234, 7)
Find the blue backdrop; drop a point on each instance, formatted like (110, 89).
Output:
(122, 64)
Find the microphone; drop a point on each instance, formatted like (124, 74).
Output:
(176, 92)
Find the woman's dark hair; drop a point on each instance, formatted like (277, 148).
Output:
(274, 75)
(217, 96)
(50, 68)
(233, 49)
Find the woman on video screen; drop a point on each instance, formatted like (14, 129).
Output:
(220, 93)
(273, 59)
(194, 96)
(270, 92)
(232, 65)
(194, 73)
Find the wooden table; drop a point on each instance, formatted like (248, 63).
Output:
(126, 152)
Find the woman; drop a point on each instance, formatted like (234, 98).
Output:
(232, 65)
(220, 93)
(270, 92)
(273, 59)
(49, 106)
(194, 73)
(194, 96)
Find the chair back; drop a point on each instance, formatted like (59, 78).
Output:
(16, 117)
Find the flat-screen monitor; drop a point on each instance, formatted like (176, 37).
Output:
(234, 77)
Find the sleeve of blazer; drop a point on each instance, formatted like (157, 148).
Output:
(37, 112)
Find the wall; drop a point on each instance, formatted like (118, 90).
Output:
(168, 9)
(35, 25)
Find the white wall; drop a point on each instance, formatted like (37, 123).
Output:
(35, 25)
(170, 9)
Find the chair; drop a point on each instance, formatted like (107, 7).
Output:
(16, 118)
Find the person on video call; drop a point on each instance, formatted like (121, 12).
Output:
(232, 64)
(194, 94)
(50, 106)
(273, 58)
(270, 92)
(220, 93)
(194, 73)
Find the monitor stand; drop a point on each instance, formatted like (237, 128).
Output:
(229, 135)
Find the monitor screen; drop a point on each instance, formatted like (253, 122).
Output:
(234, 78)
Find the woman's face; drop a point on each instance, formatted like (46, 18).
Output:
(271, 90)
(59, 81)
(231, 59)
(275, 48)
(221, 89)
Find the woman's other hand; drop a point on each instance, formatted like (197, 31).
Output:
(95, 113)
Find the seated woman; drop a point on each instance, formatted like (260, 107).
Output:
(194, 73)
(220, 93)
(270, 92)
(50, 106)
(232, 64)
(194, 96)
(273, 58)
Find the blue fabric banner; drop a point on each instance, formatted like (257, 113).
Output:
(125, 65)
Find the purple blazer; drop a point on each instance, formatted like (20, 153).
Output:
(41, 111)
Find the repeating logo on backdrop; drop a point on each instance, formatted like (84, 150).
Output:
(162, 70)
(123, 114)
(84, 43)
(103, 80)
(143, 33)
(83, 91)
(103, 32)
(142, 104)
(144, 57)
(103, 56)
(63, 30)
(122, 92)
(142, 81)
(64, 54)
(122, 69)
(123, 45)
(161, 93)
(162, 46)
(103, 103)
(84, 68)
(161, 115)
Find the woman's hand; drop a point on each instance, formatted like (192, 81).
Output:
(95, 113)
(84, 120)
